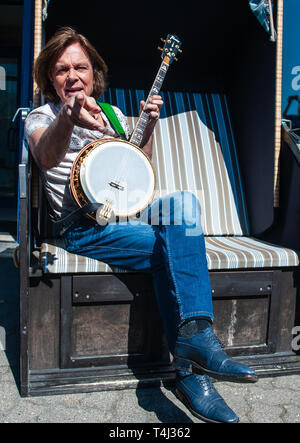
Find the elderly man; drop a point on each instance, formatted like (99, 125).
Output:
(72, 75)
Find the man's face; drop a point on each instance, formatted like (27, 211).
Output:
(72, 73)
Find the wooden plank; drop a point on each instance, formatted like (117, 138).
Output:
(241, 283)
(100, 288)
(65, 320)
(44, 315)
(45, 382)
(115, 326)
(289, 305)
(274, 312)
(242, 323)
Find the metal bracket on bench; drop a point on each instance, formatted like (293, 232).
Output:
(292, 139)
(22, 180)
(272, 26)
(24, 112)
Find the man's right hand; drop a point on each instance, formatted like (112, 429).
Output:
(84, 112)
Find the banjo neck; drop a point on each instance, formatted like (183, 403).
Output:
(169, 52)
(138, 133)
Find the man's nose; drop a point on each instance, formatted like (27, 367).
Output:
(72, 74)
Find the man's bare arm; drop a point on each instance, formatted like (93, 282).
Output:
(49, 145)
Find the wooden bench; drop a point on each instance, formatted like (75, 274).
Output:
(86, 326)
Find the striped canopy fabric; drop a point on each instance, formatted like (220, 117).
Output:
(194, 150)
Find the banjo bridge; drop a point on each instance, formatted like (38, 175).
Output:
(105, 213)
(117, 186)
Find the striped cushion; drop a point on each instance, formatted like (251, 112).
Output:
(194, 150)
(221, 253)
(246, 252)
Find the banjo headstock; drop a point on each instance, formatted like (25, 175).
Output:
(169, 52)
(171, 48)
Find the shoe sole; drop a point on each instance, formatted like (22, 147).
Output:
(191, 366)
(180, 395)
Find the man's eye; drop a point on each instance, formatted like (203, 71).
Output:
(61, 70)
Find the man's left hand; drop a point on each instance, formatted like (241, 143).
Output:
(154, 105)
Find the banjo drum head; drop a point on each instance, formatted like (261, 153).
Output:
(118, 172)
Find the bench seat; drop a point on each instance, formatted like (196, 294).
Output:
(194, 150)
(221, 253)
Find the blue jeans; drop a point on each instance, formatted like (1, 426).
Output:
(167, 241)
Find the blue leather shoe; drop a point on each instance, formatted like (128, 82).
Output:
(203, 352)
(201, 398)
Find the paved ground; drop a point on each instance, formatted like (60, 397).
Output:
(271, 400)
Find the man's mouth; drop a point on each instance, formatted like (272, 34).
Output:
(70, 91)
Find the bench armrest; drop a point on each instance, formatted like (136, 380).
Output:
(292, 139)
(25, 228)
(289, 188)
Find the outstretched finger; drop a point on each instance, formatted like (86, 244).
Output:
(80, 100)
(80, 116)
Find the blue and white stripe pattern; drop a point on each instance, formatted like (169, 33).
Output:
(194, 150)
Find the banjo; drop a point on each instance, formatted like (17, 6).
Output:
(117, 173)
